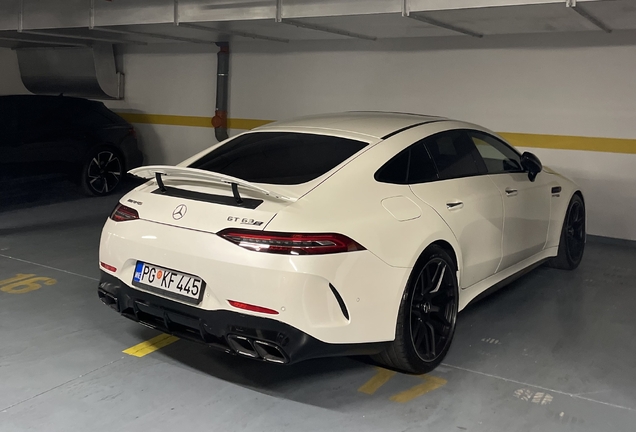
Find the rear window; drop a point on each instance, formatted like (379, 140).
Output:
(283, 158)
(101, 110)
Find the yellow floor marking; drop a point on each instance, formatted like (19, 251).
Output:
(151, 345)
(430, 383)
(16, 278)
(27, 285)
(378, 380)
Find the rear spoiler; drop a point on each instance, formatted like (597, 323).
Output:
(198, 175)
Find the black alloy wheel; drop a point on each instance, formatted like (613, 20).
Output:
(572, 240)
(102, 172)
(433, 310)
(427, 316)
(575, 231)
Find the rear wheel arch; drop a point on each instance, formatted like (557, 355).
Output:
(580, 194)
(448, 249)
(448, 245)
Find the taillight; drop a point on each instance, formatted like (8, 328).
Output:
(290, 244)
(132, 132)
(123, 213)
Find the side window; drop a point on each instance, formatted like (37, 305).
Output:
(37, 114)
(410, 166)
(454, 154)
(497, 155)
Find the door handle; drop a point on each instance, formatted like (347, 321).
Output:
(454, 205)
(511, 192)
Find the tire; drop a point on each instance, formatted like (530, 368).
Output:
(572, 241)
(428, 311)
(103, 171)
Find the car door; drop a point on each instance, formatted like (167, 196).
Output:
(468, 202)
(9, 138)
(526, 203)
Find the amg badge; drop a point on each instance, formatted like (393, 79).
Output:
(244, 221)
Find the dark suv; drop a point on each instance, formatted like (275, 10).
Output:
(43, 134)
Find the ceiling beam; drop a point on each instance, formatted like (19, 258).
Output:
(91, 38)
(432, 21)
(154, 35)
(326, 29)
(42, 42)
(233, 32)
(437, 5)
(572, 4)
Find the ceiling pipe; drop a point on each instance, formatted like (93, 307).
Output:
(219, 121)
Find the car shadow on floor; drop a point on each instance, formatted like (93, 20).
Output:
(329, 383)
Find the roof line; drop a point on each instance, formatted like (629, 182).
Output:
(395, 132)
(396, 112)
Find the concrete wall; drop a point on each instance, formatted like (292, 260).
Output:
(10, 82)
(579, 84)
(170, 80)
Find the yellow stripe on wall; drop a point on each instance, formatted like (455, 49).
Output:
(558, 142)
(562, 142)
(176, 120)
(247, 124)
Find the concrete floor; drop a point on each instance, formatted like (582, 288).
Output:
(552, 352)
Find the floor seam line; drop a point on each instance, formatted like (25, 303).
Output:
(58, 386)
(573, 395)
(49, 267)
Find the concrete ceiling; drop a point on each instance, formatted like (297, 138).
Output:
(25, 23)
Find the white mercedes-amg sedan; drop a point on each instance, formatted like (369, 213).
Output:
(342, 234)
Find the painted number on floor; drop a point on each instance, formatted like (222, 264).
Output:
(24, 283)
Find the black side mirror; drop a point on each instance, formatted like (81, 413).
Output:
(532, 164)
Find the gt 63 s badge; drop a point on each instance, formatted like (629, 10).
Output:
(244, 221)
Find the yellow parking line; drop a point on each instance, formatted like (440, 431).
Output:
(430, 383)
(151, 345)
(377, 381)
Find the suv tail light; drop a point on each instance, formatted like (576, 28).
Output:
(123, 213)
(290, 244)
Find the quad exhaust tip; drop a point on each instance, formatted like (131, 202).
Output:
(257, 349)
(108, 299)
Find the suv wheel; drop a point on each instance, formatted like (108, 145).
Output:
(102, 171)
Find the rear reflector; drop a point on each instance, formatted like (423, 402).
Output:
(108, 267)
(252, 308)
(290, 244)
(123, 213)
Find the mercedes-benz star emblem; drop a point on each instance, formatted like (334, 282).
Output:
(179, 212)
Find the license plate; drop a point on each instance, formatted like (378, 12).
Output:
(168, 281)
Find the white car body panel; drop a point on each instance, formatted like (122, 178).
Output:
(492, 236)
(527, 215)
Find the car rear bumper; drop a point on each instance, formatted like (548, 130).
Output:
(345, 298)
(249, 336)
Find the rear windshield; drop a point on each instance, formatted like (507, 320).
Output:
(282, 158)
